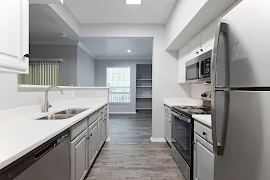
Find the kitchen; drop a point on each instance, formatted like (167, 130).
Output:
(228, 144)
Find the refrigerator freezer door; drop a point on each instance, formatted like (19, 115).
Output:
(249, 43)
(246, 155)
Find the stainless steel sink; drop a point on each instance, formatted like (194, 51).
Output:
(72, 111)
(63, 114)
(57, 117)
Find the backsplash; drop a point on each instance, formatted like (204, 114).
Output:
(198, 89)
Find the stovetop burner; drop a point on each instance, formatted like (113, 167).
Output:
(192, 109)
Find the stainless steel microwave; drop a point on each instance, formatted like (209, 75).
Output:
(198, 70)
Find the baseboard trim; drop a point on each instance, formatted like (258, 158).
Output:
(122, 113)
(157, 139)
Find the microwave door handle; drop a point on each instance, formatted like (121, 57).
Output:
(219, 128)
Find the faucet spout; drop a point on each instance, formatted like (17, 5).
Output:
(47, 105)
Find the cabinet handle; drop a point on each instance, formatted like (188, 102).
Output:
(26, 56)
(201, 50)
(91, 134)
(204, 133)
(197, 52)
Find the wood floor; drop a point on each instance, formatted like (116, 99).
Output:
(130, 154)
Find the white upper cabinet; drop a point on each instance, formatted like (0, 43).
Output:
(208, 37)
(195, 46)
(14, 35)
(203, 42)
(183, 55)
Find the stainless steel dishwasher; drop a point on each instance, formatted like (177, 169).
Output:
(50, 161)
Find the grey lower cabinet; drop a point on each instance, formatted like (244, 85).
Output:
(92, 143)
(87, 138)
(168, 125)
(203, 159)
(102, 130)
(79, 156)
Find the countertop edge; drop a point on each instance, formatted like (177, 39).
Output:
(203, 120)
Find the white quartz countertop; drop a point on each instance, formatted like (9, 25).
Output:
(205, 119)
(19, 137)
(182, 102)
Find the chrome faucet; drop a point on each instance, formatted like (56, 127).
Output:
(47, 105)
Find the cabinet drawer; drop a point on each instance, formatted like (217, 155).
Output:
(102, 110)
(93, 117)
(105, 109)
(167, 110)
(78, 128)
(203, 131)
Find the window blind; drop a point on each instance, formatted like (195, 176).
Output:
(42, 73)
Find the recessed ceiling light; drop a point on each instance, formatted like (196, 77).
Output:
(129, 51)
(134, 2)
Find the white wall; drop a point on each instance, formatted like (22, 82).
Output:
(101, 66)
(68, 69)
(198, 89)
(182, 14)
(85, 69)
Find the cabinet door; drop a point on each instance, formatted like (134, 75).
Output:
(100, 122)
(14, 35)
(92, 145)
(168, 128)
(208, 37)
(183, 55)
(79, 156)
(203, 159)
(104, 128)
(195, 46)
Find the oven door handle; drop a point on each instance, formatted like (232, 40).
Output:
(182, 118)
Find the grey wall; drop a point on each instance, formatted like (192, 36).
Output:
(85, 68)
(78, 68)
(68, 69)
(100, 77)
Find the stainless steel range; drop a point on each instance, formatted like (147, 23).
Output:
(182, 135)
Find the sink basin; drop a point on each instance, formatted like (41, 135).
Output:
(71, 111)
(57, 117)
(63, 114)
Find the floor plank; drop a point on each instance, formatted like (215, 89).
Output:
(130, 154)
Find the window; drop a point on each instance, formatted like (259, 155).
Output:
(118, 79)
(41, 73)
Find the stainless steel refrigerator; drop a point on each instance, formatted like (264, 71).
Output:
(241, 93)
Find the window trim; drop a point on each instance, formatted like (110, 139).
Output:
(119, 103)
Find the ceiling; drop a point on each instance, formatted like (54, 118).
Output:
(116, 48)
(45, 30)
(46, 27)
(116, 11)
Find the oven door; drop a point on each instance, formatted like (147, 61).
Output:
(182, 136)
(193, 70)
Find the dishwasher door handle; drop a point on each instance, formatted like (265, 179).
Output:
(45, 150)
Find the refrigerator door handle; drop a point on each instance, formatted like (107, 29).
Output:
(219, 128)
(222, 29)
(220, 123)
